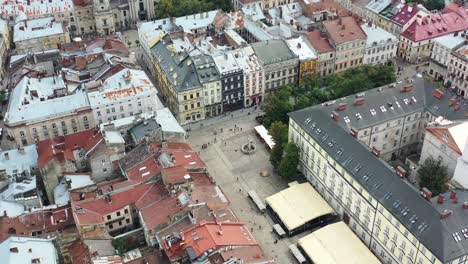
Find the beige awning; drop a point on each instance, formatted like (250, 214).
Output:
(298, 205)
(336, 243)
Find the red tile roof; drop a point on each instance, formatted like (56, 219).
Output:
(175, 175)
(406, 13)
(145, 170)
(320, 44)
(79, 252)
(46, 221)
(94, 210)
(436, 25)
(344, 30)
(62, 147)
(160, 212)
(206, 236)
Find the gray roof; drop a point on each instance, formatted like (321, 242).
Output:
(179, 67)
(455, 223)
(273, 51)
(389, 102)
(206, 68)
(144, 128)
(402, 200)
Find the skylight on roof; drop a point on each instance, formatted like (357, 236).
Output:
(372, 111)
(383, 109)
(346, 119)
(406, 101)
(398, 104)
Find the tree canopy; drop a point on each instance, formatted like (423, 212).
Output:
(279, 133)
(430, 4)
(433, 175)
(178, 8)
(315, 90)
(290, 161)
(120, 245)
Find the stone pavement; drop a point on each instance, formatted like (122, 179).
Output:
(237, 173)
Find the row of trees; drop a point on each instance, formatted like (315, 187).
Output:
(285, 155)
(178, 8)
(312, 91)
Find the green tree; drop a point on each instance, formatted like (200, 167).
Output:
(129, 43)
(433, 175)
(120, 245)
(276, 107)
(279, 133)
(137, 42)
(290, 161)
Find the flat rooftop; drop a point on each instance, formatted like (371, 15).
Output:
(37, 28)
(36, 99)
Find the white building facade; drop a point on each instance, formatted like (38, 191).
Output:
(124, 94)
(381, 46)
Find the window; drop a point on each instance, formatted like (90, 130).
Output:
(118, 213)
(111, 226)
(127, 220)
(108, 217)
(126, 211)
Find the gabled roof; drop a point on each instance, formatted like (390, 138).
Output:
(454, 134)
(92, 211)
(343, 30)
(320, 44)
(437, 24)
(62, 147)
(406, 13)
(201, 238)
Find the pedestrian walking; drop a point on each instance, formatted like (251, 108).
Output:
(276, 241)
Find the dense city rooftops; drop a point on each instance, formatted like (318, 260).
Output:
(35, 7)
(404, 15)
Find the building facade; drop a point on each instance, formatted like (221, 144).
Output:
(210, 79)
(457, 72)
(232, 81)
(179, 83)
(441, 50)
(124, 94)
(381, 46)
(390, 217)
(42, 108)
(254, 79)
(326, 53)
(39, 35)
(307, 56)
(349, 41)
(280, 64)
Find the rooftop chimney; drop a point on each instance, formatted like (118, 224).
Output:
(465, 205)
(7, 156)
(453, 195)
(440, 199)
(445, 214)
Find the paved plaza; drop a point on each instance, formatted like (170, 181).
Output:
(237, 173)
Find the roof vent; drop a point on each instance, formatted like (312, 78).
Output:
(440, 199)
(457, 107)
(335, 116)
(438, 94)
(359, 101)
(342, 106)
(407, 88)
(445, 214)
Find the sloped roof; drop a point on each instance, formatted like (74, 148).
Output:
(454, 134)
(343, 30)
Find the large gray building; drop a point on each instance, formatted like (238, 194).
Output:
(390, 216)
(281, 65)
